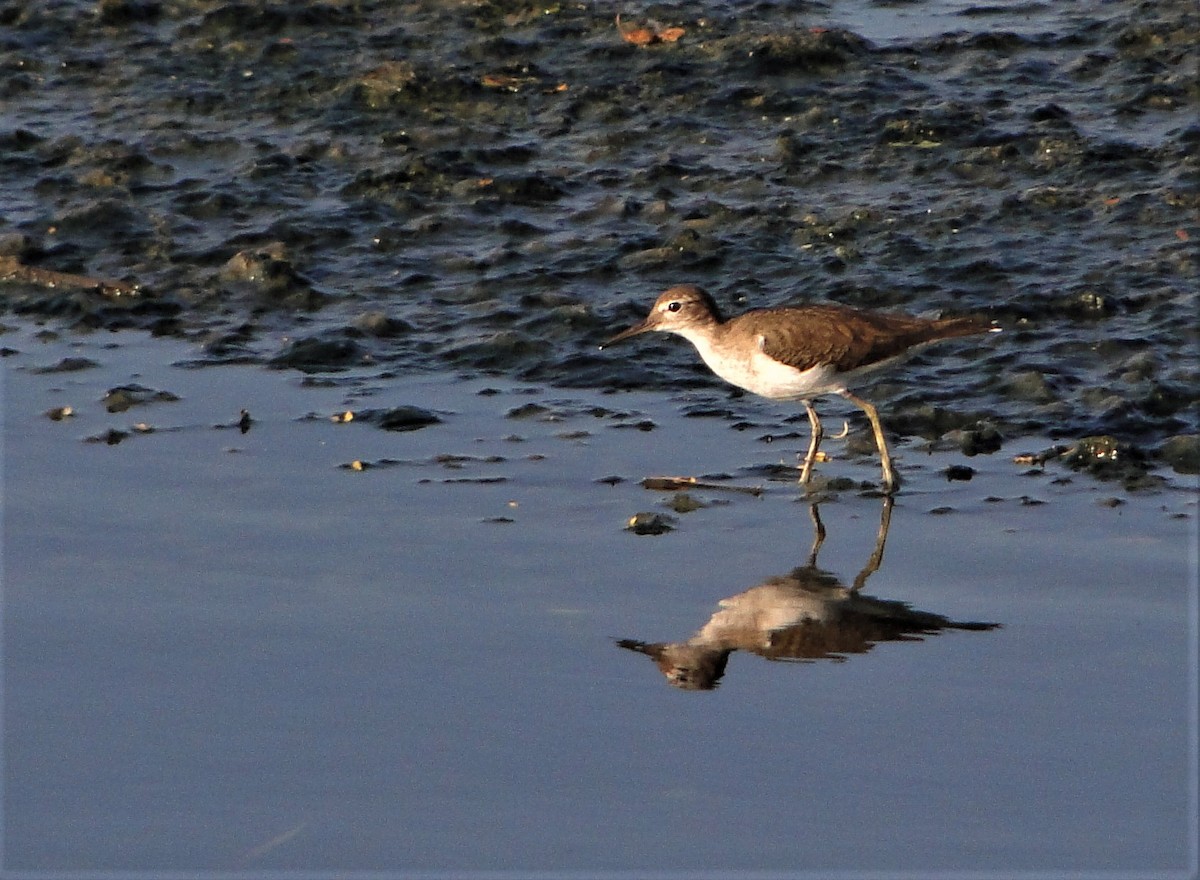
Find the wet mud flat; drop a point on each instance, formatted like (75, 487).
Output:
(493, 186)
(373, 623)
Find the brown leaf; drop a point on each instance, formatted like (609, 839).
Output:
(645, 36)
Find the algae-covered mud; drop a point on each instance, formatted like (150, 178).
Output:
(333, 546)
(492, 186)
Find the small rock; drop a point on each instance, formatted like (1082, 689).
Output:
(380, 325)
(15, 244)
(1107, 458)
(650, 524)
(378, 86)
(110, 437)
(959, 472)
(1182, 453)
(682, 502)
(981, 440)
(315, 354)
(404, 418)
(68, 365)
(124, 397)
(255, 265)
(1030, 385)
(527, 411)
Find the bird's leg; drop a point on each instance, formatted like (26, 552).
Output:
(890, 481)
(816, 433)
(876, 560)
(818, 534)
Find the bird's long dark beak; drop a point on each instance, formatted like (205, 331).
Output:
(651, 650)
(643, 327)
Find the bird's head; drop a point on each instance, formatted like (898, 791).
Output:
(677, 310)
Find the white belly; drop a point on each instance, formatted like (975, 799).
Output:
(766, 377)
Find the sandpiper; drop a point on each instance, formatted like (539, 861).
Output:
(800, 352)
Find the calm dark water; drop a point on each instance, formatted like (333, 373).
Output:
(231, 653)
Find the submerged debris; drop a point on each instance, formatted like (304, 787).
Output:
(1039, 459)
(674, 484)
(124, 397)
(111, 437)
(650, 524)
(15, 272)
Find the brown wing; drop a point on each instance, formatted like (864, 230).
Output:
(845, 337)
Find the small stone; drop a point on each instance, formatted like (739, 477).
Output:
(378, 86)
(981, 440)
(68, 365)
(110, 437)
(650, 524)
(1030, 385)
(404, 418)
(527, 411)
(1097, 450)
(1182, 453)
(315, 354)
(380, 325)
(124, 397)
(959, 472)
(682, 502)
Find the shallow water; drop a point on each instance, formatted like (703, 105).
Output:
(324, 647)
(228, 651)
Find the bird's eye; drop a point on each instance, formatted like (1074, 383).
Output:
(675, 306)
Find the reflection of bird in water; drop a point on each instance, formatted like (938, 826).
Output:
(808, 614)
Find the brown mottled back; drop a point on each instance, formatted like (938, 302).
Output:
(847, 338)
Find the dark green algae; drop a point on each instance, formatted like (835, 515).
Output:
(494, 187)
